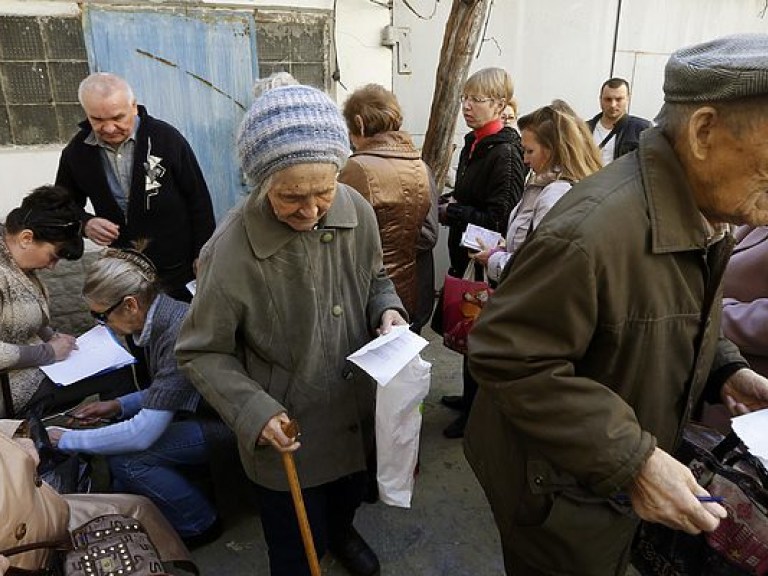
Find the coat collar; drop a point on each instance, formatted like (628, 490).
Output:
(676, 223)
(267, 234)
(394, 144)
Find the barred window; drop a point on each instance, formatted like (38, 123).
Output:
(42, 61)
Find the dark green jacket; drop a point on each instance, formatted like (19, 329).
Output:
(594, 349)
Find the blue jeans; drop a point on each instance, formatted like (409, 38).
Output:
(155, 474)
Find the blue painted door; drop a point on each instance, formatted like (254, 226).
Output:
(191, 68)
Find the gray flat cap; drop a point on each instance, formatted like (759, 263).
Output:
(727, 68)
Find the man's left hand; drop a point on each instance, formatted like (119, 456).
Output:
(745, 391)
(665, 491)
(388, 319)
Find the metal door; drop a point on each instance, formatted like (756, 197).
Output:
(193, 68)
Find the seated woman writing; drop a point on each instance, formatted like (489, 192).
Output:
(43, 230)
(36, 235)
(160, 428)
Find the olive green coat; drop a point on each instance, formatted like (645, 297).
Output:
(594, 349)
(275, 315)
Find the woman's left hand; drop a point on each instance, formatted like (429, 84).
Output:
(388, 319)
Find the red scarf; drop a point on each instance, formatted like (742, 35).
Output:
(493, 127)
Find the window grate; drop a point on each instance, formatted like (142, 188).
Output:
(42, 61)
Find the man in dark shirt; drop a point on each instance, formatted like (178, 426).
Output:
(142, 178)
(616, 132)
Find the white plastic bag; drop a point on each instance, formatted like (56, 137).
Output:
(398, 425)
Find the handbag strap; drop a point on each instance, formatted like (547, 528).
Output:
(726, 445)
(52, 544)
(5, 384)
(469, 273)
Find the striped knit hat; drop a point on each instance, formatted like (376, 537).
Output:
(727, 68)
(291, 125)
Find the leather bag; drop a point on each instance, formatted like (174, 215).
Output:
(463, 300)
(112, 544)
(31, 510)
(739, 546)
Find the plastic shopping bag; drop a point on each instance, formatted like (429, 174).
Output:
(398, 425)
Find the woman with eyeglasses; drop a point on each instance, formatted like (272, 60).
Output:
(489, 182)
(36, 235)
(159, 429)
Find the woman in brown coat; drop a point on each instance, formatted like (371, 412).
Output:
(387, 170)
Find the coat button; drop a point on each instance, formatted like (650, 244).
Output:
(21, 531)
(539, 480)
(336, 310)
(326, 237)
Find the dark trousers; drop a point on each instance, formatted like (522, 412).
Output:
(470, 387)
(330, 508)
(50, 398)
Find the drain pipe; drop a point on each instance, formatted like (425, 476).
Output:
(615, 38)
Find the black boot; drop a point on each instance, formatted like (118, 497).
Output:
(456, 428)
(354, 553)
(454, 402)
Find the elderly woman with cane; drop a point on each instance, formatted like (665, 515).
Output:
(290, 284)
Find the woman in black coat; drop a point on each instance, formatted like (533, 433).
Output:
(489, 182)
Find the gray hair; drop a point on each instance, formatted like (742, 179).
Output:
(104, 84)
(274, 80)
(739, 115)
(120, 273)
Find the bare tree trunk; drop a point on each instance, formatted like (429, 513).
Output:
(462, 33)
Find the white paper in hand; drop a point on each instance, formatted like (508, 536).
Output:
(473, 235)
(97, 351)
(752, 428)
(385, 356)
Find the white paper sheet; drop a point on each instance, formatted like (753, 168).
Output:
(752, 428)
(97, 351)
(385, 356)
(473, 233)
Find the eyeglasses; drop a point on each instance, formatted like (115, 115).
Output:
(474, 99)
(103, 317)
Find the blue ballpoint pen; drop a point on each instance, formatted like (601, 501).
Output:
(624, 498)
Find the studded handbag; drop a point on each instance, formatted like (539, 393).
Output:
(105, 546)
(110, 545)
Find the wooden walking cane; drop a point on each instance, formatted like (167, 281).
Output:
(291, 429)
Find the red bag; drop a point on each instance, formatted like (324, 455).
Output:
(463, 299)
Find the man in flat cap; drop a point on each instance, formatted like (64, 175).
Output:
(603, 338)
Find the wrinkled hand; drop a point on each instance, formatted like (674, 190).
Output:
(388, 319)
(273, 434)
(62, 345)
(91, 413)
(102, 231)
(54, 434)
(665, 491)
(745, 391)
(484, 254)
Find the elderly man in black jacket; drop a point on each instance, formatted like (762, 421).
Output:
(142, 179)
(615, 132)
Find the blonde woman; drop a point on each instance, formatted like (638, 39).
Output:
(559, 154)
(489, 182)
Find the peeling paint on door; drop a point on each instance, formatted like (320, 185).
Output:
(193, 68)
